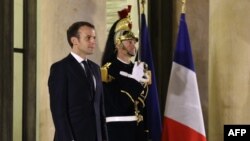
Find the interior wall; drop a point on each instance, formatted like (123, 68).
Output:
(229, 71)
(54, 17)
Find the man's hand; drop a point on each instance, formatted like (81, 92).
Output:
(138, 73)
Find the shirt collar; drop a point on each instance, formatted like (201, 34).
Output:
(77, 57)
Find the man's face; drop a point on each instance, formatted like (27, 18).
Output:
(129, 47)
(86, 42)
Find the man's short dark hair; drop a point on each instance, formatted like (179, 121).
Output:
(73, 30)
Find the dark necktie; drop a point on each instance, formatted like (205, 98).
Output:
(89, 74)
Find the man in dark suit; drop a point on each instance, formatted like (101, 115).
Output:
(76, 91)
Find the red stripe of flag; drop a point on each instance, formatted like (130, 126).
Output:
(179, 132)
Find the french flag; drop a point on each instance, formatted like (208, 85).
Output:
(183, 119)
(153, 111)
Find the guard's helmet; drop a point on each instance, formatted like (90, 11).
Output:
(121, 30)
(123, 27)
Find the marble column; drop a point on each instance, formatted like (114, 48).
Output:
(229, 69)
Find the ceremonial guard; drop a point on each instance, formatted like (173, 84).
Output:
(125, 83)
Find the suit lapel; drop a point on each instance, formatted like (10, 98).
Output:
(76, 68)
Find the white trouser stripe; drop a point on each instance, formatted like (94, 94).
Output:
(121, 118)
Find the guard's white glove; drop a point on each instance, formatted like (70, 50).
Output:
(138, 73)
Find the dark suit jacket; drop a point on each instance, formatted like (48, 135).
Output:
(78, 113)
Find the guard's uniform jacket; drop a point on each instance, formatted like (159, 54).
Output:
(124, 103)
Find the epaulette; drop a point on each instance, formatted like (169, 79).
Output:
(104, 72)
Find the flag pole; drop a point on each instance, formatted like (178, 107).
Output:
(139, 26)
(183, 8)
(143, 4)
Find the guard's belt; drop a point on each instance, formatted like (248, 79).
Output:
(121, 118)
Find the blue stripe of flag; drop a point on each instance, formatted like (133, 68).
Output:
(183, 52)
